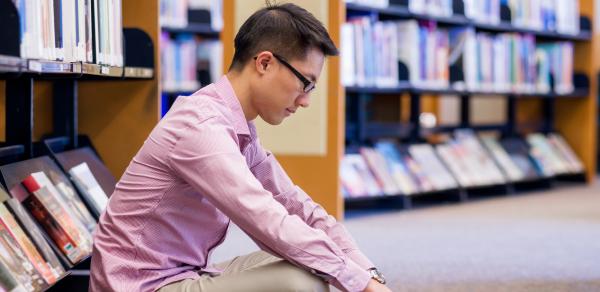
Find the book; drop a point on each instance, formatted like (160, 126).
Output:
(482, 164)
(44, 243)
(88, 186)
(559, 143)
(396, 165)
(551, 156)
(510, 169)
(435, 171)
(68, 30)
(29, 249)
(352, 182)
(379, 168)
(418, 172)
(8, 282)
(357, 161)
(71, 158)
(518, 151)
(62, 190)
(53, 216)
(18, 264)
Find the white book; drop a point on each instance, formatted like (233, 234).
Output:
(361, 79)
(68, 26)
(81, 30)
(408, 49)
(347, 55)
(110, 31)
(87, 183)
(51, 52)
(216, 15)
(119, 33)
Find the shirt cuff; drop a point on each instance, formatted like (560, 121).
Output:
(359, 258)
(353, 278)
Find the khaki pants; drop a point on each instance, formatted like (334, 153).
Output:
(258, 272)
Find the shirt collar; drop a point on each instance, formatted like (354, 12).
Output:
(225, 91)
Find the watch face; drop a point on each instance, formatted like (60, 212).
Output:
(377, 276)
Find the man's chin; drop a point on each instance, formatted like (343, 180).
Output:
(273, 121)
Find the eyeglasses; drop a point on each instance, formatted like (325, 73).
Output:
(308, 85)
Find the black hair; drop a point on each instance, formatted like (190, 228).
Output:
(284, 29)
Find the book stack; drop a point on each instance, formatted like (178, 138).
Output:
(510, 62)
(189, 63)
(372, 52)
(88, 31)
(464, 161)
(46, 228)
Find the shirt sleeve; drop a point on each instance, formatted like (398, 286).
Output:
(209, 159)
(274, 179)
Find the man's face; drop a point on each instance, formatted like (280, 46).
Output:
(279, 93)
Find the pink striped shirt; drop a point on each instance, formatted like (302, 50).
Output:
(201, 167)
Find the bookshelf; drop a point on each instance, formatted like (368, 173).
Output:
(350, 125)
(74, 111)
(544, 112)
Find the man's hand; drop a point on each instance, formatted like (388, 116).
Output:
(375, 286)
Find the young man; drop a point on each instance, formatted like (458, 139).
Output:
(203, 166)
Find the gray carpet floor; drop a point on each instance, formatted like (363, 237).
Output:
(542, 241)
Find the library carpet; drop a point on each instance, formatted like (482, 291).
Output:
(540, 241)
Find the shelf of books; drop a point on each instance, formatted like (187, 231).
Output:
(191, 49)
(84, 46)
(519, 50)
(54, 184)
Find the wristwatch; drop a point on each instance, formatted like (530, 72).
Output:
(376, 275)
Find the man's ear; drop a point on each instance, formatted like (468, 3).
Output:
(263, 61)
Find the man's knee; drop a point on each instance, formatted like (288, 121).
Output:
(299, 280)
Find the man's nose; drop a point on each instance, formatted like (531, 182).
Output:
(303, 100)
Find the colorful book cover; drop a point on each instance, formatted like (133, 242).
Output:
(17, 262)
(54, 218)
(26, 245)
